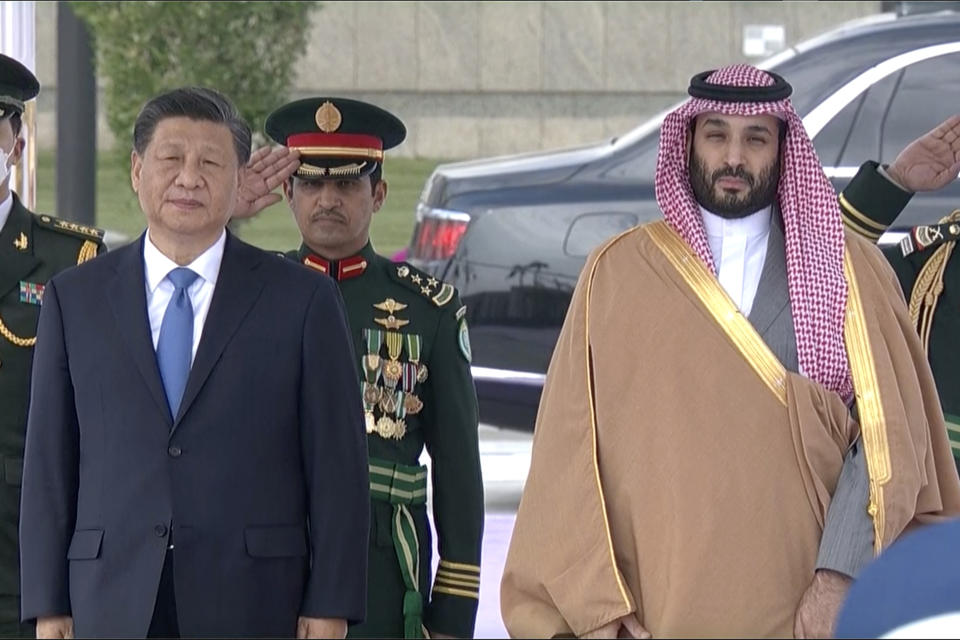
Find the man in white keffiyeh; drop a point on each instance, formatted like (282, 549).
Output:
(738, 414)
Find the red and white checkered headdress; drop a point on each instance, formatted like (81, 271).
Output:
(807, 201)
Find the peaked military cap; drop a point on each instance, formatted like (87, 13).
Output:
(17, 86)
(336, 137)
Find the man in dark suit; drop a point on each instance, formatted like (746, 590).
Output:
(195, 459)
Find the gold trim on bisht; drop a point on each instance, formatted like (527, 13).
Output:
(588, 373)
(873, 424)
(726, 314)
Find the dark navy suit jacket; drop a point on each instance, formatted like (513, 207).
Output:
(261, 479)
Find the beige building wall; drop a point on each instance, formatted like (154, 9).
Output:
(475, 79)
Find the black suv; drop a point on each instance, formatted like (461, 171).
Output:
(512, 233)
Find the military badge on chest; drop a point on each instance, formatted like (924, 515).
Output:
(391, 370)
(31, 292)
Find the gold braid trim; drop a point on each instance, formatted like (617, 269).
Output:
(87, 251)
(873, 424)
(719, 305)
(929, 285)
(14, 338)
(926, 292)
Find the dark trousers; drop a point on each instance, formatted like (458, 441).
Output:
(164, 621)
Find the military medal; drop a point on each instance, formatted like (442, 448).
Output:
(409, 376)
(388, 428)
(399, 429)
(412, 341)
(394, 344)
(31, 292)
(412, 404)
(371, 423)
(371, 367)
(374, 339)
(392, 372)
(422, 373)
(371, 394)
(388, 402)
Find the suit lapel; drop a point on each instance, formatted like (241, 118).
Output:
(16, 264)
(130, 310)
(773, 293)
(238, 286)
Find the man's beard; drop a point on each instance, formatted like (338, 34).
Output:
(762, 193)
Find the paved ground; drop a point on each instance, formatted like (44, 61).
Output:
(505, 457)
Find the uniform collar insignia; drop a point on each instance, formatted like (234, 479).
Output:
(339, 270)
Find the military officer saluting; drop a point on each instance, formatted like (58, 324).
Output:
(32, 249)
(926, 261)
(413, 365)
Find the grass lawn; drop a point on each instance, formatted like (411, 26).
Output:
(273, 228)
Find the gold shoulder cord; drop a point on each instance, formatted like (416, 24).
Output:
(14, 338)
(87, 251)
(929, 286)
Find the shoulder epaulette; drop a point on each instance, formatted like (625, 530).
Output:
(929, 283)
(439, 293)
(68, 227)
(926, 236)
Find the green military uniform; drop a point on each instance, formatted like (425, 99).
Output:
(33, 248)
(929, 272)
(413, 360)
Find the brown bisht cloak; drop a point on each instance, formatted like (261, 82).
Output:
(681, 473)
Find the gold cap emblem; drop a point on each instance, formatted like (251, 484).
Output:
(328, 117)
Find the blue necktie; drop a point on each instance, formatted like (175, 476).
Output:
(175, 346)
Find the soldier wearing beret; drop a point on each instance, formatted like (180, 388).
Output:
(32, 249)
(410, 336)
(925, 261)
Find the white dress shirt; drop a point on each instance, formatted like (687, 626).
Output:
(160, 289)
(5, 207)
(739, 248)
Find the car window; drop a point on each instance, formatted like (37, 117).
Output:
(853, 135)
(928, 94)
(641, 164)
(590, 230)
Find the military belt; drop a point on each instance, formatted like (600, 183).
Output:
(397, 483)
(403, 486)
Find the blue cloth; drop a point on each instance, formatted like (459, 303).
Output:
(918, 577)
(175, 346)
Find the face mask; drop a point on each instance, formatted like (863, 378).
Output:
(4, 167)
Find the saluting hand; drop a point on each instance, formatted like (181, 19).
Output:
(626, 627)
(931, 161)
(55, 627)
(267, 169)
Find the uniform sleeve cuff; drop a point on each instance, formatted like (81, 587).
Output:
(872, 201)
(451, 615)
